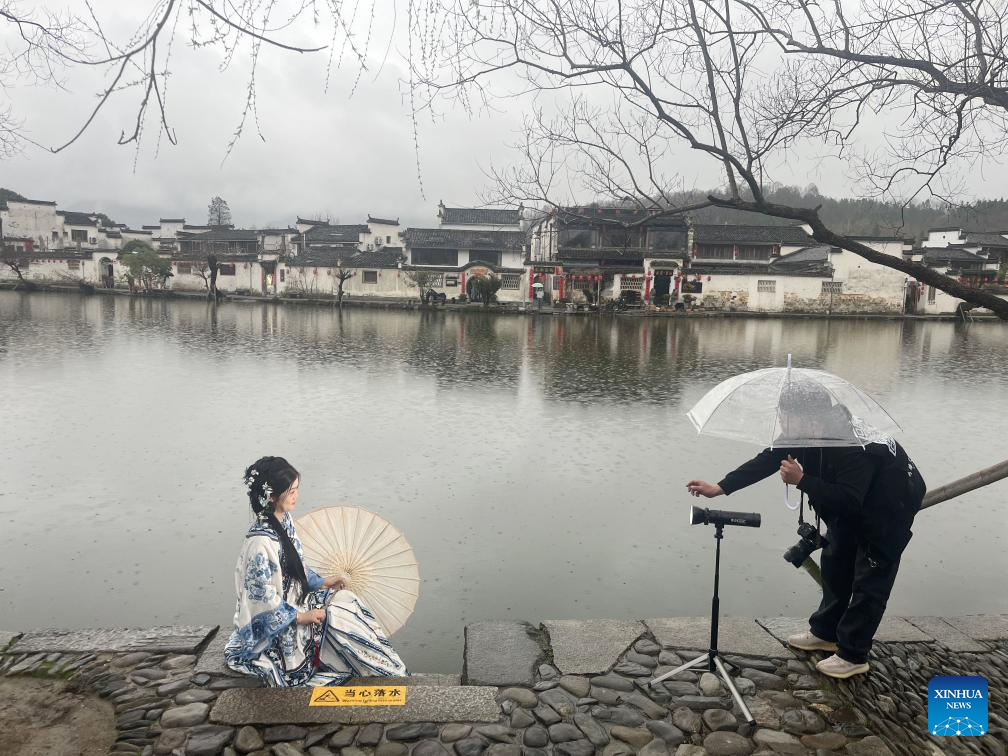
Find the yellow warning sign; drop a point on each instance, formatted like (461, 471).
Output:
(358, 695)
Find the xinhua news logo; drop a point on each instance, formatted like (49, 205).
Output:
(957, 706)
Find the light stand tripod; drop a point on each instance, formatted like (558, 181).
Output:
(713, 657)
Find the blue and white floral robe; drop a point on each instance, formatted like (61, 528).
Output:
(268, 643)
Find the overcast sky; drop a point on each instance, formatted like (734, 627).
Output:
(321, 152)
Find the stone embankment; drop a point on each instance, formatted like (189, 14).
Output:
(563, 687)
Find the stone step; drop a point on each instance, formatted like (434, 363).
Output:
(501, 653)
(740, 636)
(173, 639)
(264, 706)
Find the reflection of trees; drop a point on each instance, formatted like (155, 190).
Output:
(626, 359)
(473, 347)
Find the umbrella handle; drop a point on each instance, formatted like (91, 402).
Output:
(787, 498)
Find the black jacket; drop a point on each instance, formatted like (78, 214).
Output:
(877, 489)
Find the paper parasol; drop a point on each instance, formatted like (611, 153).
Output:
(371, 556)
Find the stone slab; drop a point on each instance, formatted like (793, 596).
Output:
(467, 703)
(211, 660)
(982, 626)
(891, 630)
(173, 639)
(738, 636)
(590, 647)
(6, 638)
(946, 633)
(500, 653)
(783, 627)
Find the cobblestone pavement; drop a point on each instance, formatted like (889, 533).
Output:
(165, 705)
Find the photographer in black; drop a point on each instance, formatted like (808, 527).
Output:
(867, 496)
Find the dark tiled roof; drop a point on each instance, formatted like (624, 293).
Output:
(192, 227)
(386, 257)
(279, 231)
(480, 216)
(808, 261)
(591, 215)
(383, 221)
(331, 258)
(335, 234)
(950, 256)
(172, 220)
(607, 253)
(151, 228)
(986, 238)
(459, 239)
(222, 234)
(74, 218)
(724, 234)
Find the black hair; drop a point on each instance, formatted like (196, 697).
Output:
(279, 475)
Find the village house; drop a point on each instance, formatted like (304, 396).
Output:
(782, 269)
(974, 258)
(588, 253)
(468, 244)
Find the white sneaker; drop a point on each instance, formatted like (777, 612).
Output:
(841, 669)
(808, 642)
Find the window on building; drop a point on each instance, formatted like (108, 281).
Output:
(388, 239)
(490, 256)
(755, 252)
(660, 238)
(511, 281)
(369, 276)
(73, 264)
(715, 252)
(631, 284)
(832, 287)
(226, 269)
(578, 238)
(78, 234)
(931, 294)
(451, 281)
(283, 274)
(55, 235)
(184, 269)
(621, 238)
(766, 287)
(428, 256)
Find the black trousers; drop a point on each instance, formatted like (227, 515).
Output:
(859, 568)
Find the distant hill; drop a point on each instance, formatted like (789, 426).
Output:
(8, 194)
(867, 217)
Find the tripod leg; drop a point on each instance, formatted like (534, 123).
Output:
(735, 694)
(681, 668)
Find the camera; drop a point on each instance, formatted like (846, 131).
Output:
(700, 516)
(809, 541)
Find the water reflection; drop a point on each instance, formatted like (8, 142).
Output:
(536, 464)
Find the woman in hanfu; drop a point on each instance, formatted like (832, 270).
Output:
(292, 626)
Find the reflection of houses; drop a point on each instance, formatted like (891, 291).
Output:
(581, 253)
(470, 243)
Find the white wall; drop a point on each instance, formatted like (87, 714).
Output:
(33, 221)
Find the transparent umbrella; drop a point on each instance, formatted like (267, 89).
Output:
(792, 407)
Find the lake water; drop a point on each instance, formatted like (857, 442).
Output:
(536, 465)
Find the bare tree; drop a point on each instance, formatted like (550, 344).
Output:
(422, 280)
(342, 276)
(45, 45)
(750, 84)
(218, 212)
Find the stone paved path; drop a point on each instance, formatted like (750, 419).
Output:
(567, 688)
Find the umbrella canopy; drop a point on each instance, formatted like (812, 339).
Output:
(792, 407)
(371, 556)
(537, 285)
